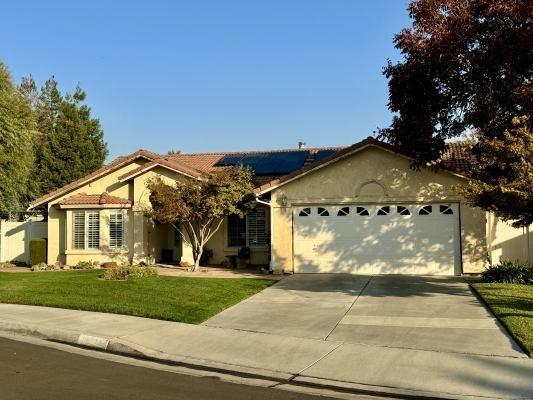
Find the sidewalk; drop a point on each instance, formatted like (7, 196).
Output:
(379, 370)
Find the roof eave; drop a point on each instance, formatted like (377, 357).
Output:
(268, 187)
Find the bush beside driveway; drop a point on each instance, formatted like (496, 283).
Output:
(513, 306)
(189, 300)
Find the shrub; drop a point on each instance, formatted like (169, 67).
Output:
(37, 251)
(508, 272)
(84, 265)
(124, 272)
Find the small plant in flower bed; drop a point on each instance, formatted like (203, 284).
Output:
(508, 272)
(84, 265)
(124, 272)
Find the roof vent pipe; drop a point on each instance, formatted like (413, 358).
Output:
(301, 145)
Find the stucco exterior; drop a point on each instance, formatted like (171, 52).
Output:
(368, 175)
(144, 239)
(374, 175)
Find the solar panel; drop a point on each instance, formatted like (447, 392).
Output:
(321, 154)
(267, 163)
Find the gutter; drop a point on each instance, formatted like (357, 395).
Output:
(267, 203)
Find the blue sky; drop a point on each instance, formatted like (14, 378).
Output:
(213, 75)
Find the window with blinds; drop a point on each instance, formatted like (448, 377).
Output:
(116, 229)
(249, 231)
(86, 230)
(256, 227)
(78, 230)
(93, 229)
(236, 231)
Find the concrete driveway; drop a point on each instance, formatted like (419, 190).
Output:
(394, 311)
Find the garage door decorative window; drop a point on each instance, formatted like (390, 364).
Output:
(343, 211)
(426, 210)
(403, 210)
(446, 210)
(384, 210)
(362, 211)
(304, 212)
(323, 212)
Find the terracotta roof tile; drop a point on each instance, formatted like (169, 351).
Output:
(113, 165)
(453, 159)
(94, 199)
(168, 162)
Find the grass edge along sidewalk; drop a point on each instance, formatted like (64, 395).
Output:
(181, 299)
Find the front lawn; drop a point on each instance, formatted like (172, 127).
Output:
(513, 305)
(190, 300)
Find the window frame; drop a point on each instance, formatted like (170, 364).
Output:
(116, 213)
(91, 232)
(248, 235)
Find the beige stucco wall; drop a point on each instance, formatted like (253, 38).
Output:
(508, 243)
(144, 239)
(59, 226)
(369, 176)
(219, 245)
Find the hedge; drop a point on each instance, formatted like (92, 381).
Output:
(37, 251)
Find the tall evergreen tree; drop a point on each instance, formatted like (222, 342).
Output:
(74, 144)
(69, 143)
(16, 151)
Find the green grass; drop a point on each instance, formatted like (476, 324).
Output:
(190, 300)
(513, 305)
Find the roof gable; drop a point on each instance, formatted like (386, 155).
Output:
(450, 160)
(117, 163)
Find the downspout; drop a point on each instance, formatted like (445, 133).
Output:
(267, 203)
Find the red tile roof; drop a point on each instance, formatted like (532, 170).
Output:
(112, 166)
(198, 164)
(94, 199)
(166, 162)
(453, 159)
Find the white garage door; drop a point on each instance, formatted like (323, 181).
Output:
(377, 239)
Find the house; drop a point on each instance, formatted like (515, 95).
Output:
(356, 209)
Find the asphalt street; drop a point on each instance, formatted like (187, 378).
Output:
(33, 372)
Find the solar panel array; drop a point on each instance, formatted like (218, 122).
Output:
(321, 154)
(273, 163)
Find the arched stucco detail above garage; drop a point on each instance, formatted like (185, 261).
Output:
(371, 189)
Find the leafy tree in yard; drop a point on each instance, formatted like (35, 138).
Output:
(468, 67)
(196, 208)
(16, 151)
(69, 143)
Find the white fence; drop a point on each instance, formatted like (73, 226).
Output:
(15, 239)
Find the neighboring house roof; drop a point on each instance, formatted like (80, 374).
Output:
(106, 169)
(450, 159)
(83, 199)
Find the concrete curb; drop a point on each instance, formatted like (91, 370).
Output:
(281, 379)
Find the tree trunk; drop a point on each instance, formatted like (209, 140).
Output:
(197, 260)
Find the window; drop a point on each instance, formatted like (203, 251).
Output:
(256, 227)
(305, 212)
(384, 210)
(86, 230)
(78, 230)
(116, 229)
(236, 231)
(446, 210)
(343, 211)
(323, 212)
(177, 238)
(426, 210)
(403, 210)
(361, 211)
